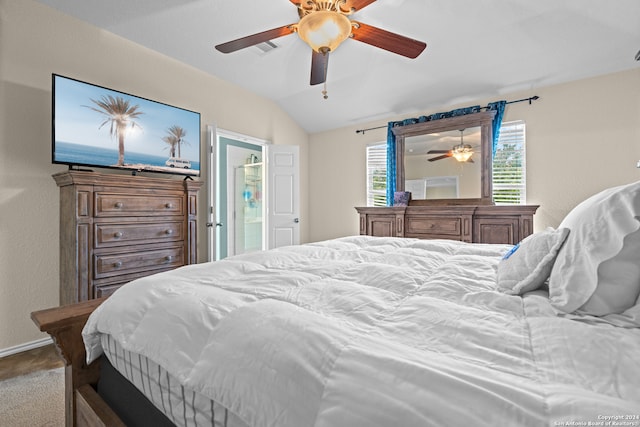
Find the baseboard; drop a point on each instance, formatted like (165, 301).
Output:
(25, 347)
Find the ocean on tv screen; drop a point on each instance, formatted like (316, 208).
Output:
(79, 154)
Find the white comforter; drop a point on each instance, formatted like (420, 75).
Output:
(365, 331)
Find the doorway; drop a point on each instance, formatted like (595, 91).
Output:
(253, 194)
(239, 179)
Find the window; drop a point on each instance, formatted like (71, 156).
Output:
(509, 174)
(377, 175)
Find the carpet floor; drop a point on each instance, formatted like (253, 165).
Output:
(33, 400)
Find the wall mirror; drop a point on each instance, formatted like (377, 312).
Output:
(426, 164)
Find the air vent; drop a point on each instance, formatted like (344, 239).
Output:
(267, 46)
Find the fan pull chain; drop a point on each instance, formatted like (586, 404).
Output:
(326, 65)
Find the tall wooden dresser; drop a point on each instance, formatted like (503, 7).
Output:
(116, 228)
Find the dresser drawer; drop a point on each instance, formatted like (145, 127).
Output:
(434, 226)
(110, 204)
(108, 285)
(112, 264)
(104, 291)
(120, 234)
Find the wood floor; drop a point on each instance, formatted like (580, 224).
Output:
(38, 359)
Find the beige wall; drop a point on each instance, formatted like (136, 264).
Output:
(582, 137)
(36, 41)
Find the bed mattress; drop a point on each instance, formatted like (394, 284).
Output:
(174, 403)
(366, 331)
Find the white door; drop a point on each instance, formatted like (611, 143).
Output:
(283, 195)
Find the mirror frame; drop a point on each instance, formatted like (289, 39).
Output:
(484, 120)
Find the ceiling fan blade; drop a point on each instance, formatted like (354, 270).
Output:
(438, 151)
(254, 39)
(444, 156)
(386, 40)
(319, 65)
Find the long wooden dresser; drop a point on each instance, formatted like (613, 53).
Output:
(116, 228)
(472, 223)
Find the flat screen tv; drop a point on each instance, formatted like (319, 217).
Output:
(94, 126)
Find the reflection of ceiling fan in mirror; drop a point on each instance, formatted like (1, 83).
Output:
(461, 152)
(323, 25)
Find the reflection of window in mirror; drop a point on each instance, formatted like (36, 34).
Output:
(437, 187)
(431, 159)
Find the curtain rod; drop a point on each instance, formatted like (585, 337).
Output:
(531, 98)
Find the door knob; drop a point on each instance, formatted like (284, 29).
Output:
(296, 220)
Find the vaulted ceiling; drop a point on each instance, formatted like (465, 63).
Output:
(475, 49)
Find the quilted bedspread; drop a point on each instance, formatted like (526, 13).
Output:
(366, 331)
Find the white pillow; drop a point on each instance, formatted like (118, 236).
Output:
(618, 280)
(527, 266)
(597, 269)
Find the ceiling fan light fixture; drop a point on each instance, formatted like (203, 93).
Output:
(462, 152)
(324, 30)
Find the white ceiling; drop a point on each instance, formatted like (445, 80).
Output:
(475, 49)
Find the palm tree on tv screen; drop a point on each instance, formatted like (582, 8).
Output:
(120, 115)
(175, 138)
(172, 142)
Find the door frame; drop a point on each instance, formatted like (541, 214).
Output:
(213, 134)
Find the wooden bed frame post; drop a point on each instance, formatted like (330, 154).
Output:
(82, 404)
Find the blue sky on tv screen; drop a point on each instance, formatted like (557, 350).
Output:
(76, 123)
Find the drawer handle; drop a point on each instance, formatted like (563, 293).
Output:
(118, 205)
(168, 232)
(117, 264)
(117, 234)
(169, 205)
(168, 258)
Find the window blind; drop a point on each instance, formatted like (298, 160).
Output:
(377, 175)
(509, 165)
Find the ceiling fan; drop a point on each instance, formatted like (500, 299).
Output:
(461, 152)
(323, 25)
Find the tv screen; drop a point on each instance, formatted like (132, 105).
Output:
(100, 127)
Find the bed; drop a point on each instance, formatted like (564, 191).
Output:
(373, 331)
